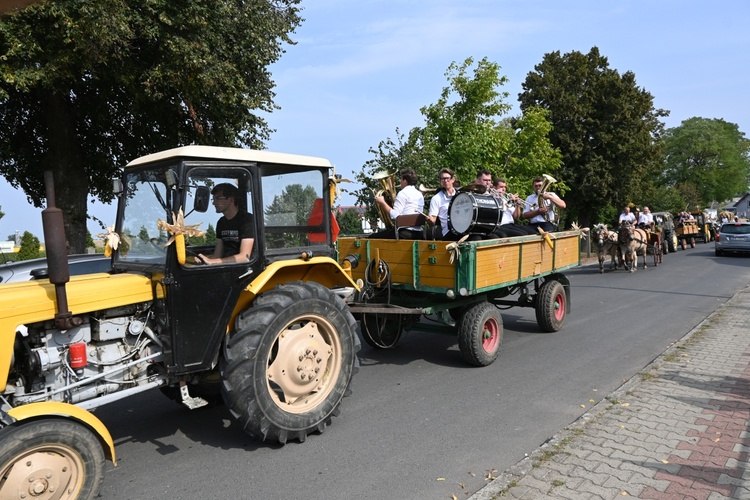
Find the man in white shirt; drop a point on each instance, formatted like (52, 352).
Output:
(626, 216)
(511, 213)
(441, 201)
(646, 219)
(408, 201)
(540, 207)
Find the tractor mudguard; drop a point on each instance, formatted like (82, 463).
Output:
(53, 408)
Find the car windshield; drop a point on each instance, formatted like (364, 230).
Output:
(735, 229)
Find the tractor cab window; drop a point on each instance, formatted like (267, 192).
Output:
(293, 210)
(147, 199)
(220, 182)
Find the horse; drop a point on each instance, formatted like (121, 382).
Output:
(633, 242)
(606, 244)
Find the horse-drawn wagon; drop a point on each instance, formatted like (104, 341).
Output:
(461, 285)
(638, 241)
(686, 232)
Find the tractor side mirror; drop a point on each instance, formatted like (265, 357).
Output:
(202, 199)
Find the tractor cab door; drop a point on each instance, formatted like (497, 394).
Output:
(201, 298)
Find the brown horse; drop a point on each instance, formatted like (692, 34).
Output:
(606, 245)
(633, 242)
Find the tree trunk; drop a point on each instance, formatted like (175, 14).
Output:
(69, 174)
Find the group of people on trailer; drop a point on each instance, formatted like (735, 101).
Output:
(538, 208)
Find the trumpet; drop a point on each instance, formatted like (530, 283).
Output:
(509, 202)
(424, 189)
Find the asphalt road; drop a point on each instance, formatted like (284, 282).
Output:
(420, 423)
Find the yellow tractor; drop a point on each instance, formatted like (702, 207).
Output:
(271, 334)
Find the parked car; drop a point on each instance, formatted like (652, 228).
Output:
(733, 237)
(36, 269)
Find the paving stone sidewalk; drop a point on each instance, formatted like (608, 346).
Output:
(678, 430)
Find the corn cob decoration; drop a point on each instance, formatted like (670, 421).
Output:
(111, 240)
(178, 230)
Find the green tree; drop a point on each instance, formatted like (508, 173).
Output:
(706, 160)
(29, 247)
(2, 214)
(466, 130)
(350, 223)
(86, 85)
(604, 125)
(291, 208)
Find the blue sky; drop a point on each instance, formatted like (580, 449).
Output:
(362, 68)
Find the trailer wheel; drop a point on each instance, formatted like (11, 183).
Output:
(551, 306)
(382, 331)
(480, 334)
(50, 458)
(692, 242)
(289, 362)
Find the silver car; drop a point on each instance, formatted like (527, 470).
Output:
(35, 269)
(733, 237)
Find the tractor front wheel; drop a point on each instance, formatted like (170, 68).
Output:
(289, 362)
(50, 458)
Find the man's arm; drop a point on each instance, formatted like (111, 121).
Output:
(246, 248)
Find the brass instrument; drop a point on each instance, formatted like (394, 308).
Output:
(473, 188)
(425, 190)
(548, 180)
(388, 192)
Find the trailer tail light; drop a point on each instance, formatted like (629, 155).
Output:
(78, 356)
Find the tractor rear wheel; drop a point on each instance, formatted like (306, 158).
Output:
(480, 334)
(289, 362)
(50, 458)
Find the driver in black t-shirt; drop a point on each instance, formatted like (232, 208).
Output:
(234, 231)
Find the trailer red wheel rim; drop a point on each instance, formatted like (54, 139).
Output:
(490, 335)
(559, 307)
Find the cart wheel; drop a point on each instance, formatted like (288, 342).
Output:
(683, 243)
(480, 334)
(551, 305)
(657, 254)
(692, 242)
(382, 331)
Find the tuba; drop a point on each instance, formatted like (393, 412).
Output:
(388, 192)
(548, 180)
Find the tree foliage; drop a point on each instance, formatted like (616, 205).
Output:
(467, 130)
(706, 160)
(86, 85)
(29, 247)
(604, 125)
(350, 223)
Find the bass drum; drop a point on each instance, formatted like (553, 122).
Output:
(474, 213)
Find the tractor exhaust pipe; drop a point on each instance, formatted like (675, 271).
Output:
(57, 255)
